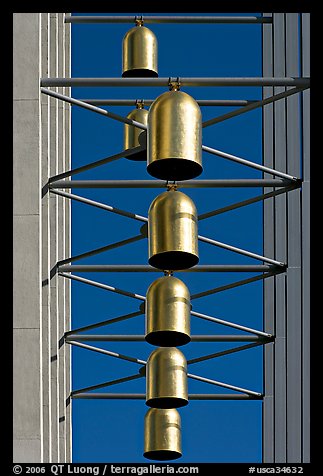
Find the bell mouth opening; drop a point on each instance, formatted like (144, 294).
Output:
(140, 156)
(173, 260)
(167, 338)
(140, 73)
(167, 402)
(174, 169)
(162, 455)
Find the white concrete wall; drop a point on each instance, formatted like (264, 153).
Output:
(41, 237)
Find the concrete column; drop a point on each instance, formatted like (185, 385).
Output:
(41, 236)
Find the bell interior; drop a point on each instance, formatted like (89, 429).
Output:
(174, 169)
(140, 73)
(162, 455)
(167, 338)
(173, 260)
(166, 402)
(138, 156)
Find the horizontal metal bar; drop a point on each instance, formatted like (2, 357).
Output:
(225, 287)
(148, 102)
(231, 324)
(239, 160)
(107, 384)
(240, 251)
(251, 107)
(249, 201)
(92, 108)
(102, 323)
(97, 163)
(143, 268)
(226, 183)
(103, 206)
(141, 338)
(142, 396)
(102, 286)
(222, 384)
(203, 358)
(167, 19)
(107, 352)
(163, 82)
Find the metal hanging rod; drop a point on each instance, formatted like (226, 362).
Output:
(148, 102)
(143, 268)
(142, 396)
(141, 338)
(164, 82)
(225, 183)
(167, 19)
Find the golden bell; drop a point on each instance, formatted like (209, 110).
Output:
(162, 440)
(166, 378)
(174, 140)
(139, 53)
(168, 312)
(172, 232)
(131, 136)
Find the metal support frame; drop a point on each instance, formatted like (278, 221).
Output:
(281, 73)
(167, 19)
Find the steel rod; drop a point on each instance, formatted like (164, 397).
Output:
(238, 283)
(249, 201)
(222, 384)
(137, 268)
(102, 249)
(102, 286)
(167, 19)
(142, 396)
(230, 324)
(164, 82)
(148, 102)
(226, 183)
(239, 160)
(107, 384)
(141, 338)
(102, 323)
(92, 165)
(92, 108)
(108, 352)
(107, 208)
(224, 352)
(251, 107)
(240, 251)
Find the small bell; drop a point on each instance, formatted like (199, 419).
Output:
(139, 52)
(132, 134)
(162, 440)
(166, 378)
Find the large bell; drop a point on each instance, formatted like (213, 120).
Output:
(172, 232)
(131, 133)
(162, 439)
(139, 53)
(174, 140)
(166, 378)
(168, 312)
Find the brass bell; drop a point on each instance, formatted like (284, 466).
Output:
(131, 136)
(174, 140)
(168, 312)
(139, 52)
(162, 440)
(166, 378)
(172, 232)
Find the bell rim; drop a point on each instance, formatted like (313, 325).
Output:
(140, 156)
(174, 260)
(140, 73)
(173, 169)
(164, 338)
(162, 455)
(167, 402)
